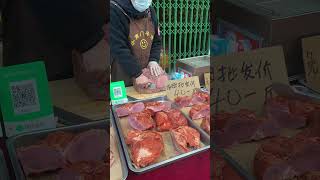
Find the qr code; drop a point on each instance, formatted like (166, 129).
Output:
(24, 96)
(117, 92)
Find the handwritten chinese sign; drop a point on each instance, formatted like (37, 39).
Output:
(244, 80)
(207, 80)
(311, 59)
(183, 87)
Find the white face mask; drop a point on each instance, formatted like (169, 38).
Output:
(141, 5)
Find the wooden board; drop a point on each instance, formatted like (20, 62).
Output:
(68, 96)
(134, 94)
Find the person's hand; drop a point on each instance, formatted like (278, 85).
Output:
(142, 79)
(155, 69)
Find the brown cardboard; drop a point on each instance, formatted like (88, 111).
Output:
(244, 84)
(311, 59)
(196, 66)
(182, 87)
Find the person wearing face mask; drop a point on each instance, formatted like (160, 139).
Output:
(135, 41)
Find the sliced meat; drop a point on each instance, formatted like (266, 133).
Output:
(158, 106)
(242, 126)
(177, 118)
(129, 108)
(39, 159)
(200, 97)
(205, 124)
(87, 146)
(287, 158)
(59, 139)
(183, 101)
(279, 109)
(185, 138)
(89, 170)
(158, 83)
(69, 174)
(163, 121)
(146, 147)
(199, 111)
(141, 121)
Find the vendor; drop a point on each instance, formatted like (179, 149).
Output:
(135, 41)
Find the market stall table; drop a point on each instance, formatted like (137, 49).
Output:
(131, 92)
(67, 95)
(195, 167)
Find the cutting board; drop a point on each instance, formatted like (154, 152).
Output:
(134, 94)
(68, 96)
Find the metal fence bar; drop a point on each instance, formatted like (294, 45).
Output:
(185, 29)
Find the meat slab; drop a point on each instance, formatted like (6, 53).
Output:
(198, 97)
(155, 83)
(185, 138)
(167, 120)
(288, 158)
(146, 147)
(141, 121)
(87, 146)
(157, 106)
(205, 124)
(129, 108)
(199, 111)
(242, 126)
(40, 158)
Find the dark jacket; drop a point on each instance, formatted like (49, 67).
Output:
(48, 30)
(119, 33)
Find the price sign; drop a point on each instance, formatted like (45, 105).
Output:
(25, 99)
(118, 93)
(182, 87)
(207, 80)
(244, 80)
(311, 59)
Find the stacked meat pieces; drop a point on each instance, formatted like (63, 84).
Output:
(200, 107)
(222, 170)
(154, 84)
(72, 156)
(148, 120)
(242, 126)
(285, 158)
(245, 126)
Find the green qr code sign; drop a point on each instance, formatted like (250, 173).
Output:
(118, 93)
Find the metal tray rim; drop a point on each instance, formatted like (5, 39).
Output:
(233, 163)
(3, 167)
(160, 164)
(122, 158)
(12, 151)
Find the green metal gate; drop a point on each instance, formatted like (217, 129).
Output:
(185, 29)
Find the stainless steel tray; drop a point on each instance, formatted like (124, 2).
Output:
(122, 158)
(244, 174)
(27, 139)
(4, 175)
(203, 137)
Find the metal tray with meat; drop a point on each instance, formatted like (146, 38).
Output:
(66, 153)
(154, 134)
(118, 165)
(197, 109)
(3, 168)
(225, 168)
(281, 145)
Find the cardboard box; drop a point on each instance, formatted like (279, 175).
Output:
(282, 22)
(195, 66)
